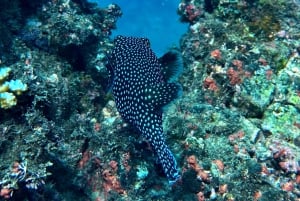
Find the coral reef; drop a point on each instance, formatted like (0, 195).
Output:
(234, 132)
(249, 81)
(54, 120)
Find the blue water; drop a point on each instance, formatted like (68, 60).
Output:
(155, 19)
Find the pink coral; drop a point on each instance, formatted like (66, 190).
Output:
(190, 12)
(210, 84)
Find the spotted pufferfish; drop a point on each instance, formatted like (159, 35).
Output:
(142, 85)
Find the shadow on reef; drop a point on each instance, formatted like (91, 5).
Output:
(75, 55)
(13, 16)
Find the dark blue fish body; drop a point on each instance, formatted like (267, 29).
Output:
(141, 87)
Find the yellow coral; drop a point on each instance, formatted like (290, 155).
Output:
(4, 72)
(3, 88)
(7, 100)
(9, 89)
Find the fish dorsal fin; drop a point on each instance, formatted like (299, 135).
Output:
(172, 65)
(161, 94)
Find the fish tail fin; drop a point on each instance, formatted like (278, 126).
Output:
(165, 156)
(169, 163)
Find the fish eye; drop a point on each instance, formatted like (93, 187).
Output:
(118, 39)
(146, 41)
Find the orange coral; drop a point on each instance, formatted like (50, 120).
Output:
(216, 54)
(238, 64)
(5, 193)
(264, 170)
(201, 173)
(257, 195)
(111, 182)
(210, 84)
(200, 196)
(238, 135)
(288, 186)
(219, 164)
(297, 180)
(234, 76)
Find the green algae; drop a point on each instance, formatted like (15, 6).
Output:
(280, 120)
(255, 95)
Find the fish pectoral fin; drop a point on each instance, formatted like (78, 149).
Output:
(172, 65)
(161, 94)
